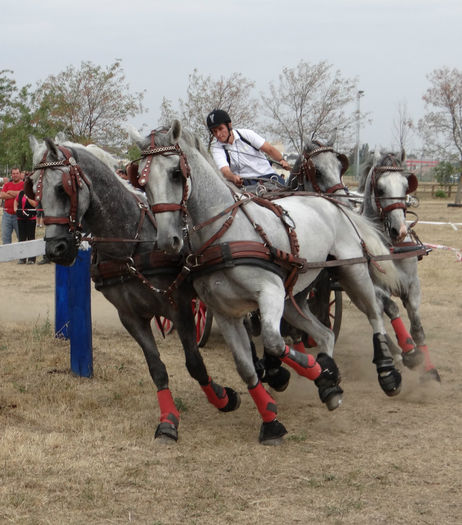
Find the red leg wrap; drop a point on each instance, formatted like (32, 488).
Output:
(428, 363)
(216, 394)
(311, 342)
(265, 403)
(168, 410)
(304, 364)
(300, 347)
(404, 338)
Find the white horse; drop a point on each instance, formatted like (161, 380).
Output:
(385, 192)
(183, 188)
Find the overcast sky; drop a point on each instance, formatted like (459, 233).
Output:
(390, 46)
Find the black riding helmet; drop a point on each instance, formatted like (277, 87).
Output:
(217, 117)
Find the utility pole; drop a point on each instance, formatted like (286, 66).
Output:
(358, 126)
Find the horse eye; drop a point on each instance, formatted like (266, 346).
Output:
(59, 190)
(176, 173)
(380, 192)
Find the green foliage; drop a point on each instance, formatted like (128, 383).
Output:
(443, 171)
(440, 194)
(90, 103)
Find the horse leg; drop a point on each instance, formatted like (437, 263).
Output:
(323, 370)
(356, 282)
(412, 304)
(407, 352)
(269, 368)
(235, 335)
(224, 398)
(140, 329)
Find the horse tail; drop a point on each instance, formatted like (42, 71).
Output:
(384, 273)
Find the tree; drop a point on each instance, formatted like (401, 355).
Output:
(441, 126)
(203, 94)
(310, 100)
(402, 126)
(443, 172)
(7, 91)
(90, 103)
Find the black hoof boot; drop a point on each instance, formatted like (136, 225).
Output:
(389, 378)
(166, 433)
(430, 375)
(330, 392)
(272, 433)
(390, 381)
(413, 358)
(278, 378)
(234, 400)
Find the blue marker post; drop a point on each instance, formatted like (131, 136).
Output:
(73, 311)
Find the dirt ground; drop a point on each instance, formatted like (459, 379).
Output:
(80, 451)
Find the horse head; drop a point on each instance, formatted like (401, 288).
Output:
(64, 193)
(319, 168)
(387, 186)
(164, 173)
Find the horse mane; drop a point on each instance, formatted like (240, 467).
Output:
(108, 160)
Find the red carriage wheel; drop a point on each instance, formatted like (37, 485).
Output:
(165, 326)
(203, 319)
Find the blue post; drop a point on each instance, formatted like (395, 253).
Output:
(78, 304)
(62, 314)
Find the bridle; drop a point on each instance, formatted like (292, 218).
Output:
(308, 170)
(377, 172)
(73, 179)
(166, 151)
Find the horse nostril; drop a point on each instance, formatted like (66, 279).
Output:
(177, 244)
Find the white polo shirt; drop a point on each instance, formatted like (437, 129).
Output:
(245, 160)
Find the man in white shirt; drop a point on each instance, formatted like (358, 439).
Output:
(240, 153)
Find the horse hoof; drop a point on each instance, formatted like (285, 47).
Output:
(329, 390)
(413, 358)
(234, 400)
(430, 375)
(166, 433)
(334, 401)
(280, 380)
(272, 433)
(390, 382)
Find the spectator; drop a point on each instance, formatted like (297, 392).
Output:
(26, 215)
(9, 193)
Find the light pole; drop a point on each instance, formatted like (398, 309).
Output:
(358, 125)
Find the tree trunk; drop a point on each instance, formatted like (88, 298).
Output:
(458, 200)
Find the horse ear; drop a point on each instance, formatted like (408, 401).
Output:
(175, 132)
(403, 155)
(34, 143)
(412, 183)
(343, 161)
(332, 138)
(51, 146)
(135, 136)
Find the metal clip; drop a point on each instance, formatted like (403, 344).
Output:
(192, 260)
(287, 219)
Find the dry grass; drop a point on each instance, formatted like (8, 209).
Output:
(80, 451)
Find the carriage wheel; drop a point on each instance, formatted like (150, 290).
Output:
(167, 325)
(203, 319)
(326, 305)
(335, 311)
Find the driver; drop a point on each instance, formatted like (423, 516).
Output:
(240, 153)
